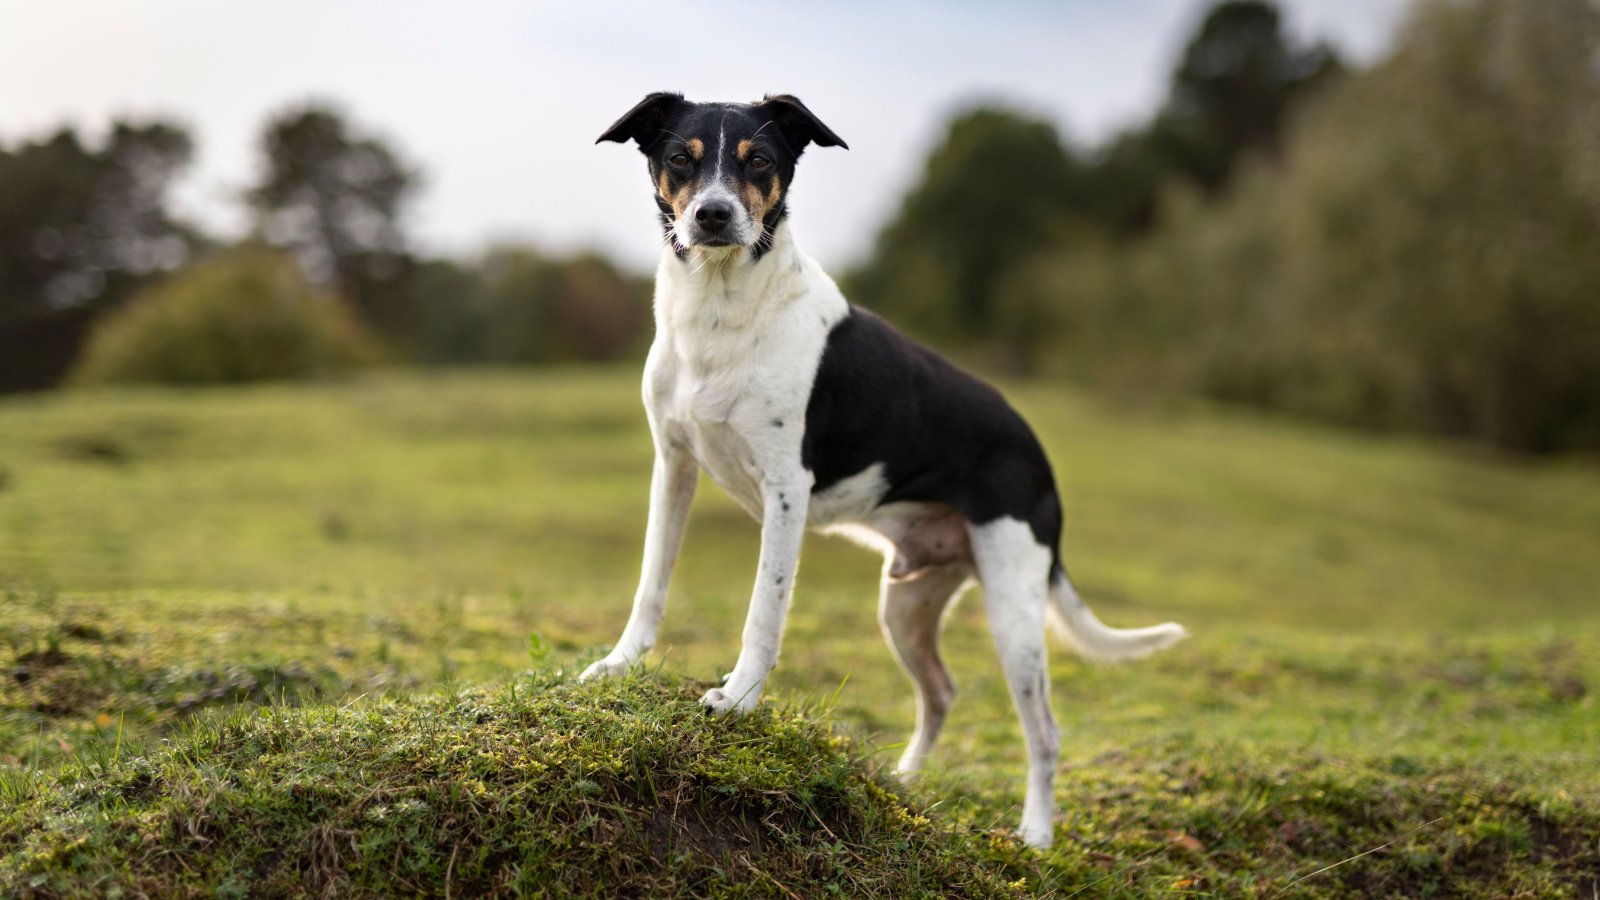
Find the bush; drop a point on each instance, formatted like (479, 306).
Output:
(247, 315)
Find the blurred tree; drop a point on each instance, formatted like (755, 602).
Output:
(1001, 188)
(334, 198)
(556, 310)
(1424, 257)
(1238, 77)
(1443, 213)
(448, 321)
(995, 190)
(81, 228)
(1232, 94)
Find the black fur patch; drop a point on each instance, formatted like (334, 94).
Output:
(942, 435)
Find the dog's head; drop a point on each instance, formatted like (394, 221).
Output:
(721, 170)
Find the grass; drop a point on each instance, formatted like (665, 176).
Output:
(1396, 645)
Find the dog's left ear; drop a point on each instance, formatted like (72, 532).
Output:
(799, 125)
(644, 122)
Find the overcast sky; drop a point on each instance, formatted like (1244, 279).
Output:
(499, 102)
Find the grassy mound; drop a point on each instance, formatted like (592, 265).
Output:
(625, 788)
(629, 788)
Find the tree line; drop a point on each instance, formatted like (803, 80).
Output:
(87, 234)
(1413, 246)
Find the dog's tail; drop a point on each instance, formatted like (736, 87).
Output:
(1093, 639)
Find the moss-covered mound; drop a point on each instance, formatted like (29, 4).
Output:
(539, 786)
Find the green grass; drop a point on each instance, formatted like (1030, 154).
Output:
(536, 786)
(1394, 642)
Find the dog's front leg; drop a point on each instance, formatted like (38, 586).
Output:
(672, 487)
(783, 524)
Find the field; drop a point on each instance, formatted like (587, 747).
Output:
(1396, 645)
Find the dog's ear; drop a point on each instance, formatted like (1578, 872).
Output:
(799, 125)
(644, 122)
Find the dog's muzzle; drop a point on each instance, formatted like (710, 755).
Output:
(714, 221)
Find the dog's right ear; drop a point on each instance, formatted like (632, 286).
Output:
(644, 122)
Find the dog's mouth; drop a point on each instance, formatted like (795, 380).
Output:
(695, 240)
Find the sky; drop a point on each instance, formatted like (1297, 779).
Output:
(498, 103)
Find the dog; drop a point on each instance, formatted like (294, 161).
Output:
(814, 413)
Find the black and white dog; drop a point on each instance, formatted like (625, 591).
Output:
(814, 413)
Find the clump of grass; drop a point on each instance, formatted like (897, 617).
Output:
(538, 786)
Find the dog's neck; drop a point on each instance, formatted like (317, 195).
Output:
(728, 289)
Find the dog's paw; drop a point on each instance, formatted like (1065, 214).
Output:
(728, 699)
(1037, 829)
(614, 664)
(1036, 836)
(908, 769)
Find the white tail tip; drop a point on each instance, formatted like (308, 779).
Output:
(1094, 640)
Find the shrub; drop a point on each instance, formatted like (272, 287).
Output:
(248, 315)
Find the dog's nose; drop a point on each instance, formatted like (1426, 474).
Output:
(714, 215)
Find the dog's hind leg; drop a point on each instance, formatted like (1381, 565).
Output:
(911, 611)
(1014, 569)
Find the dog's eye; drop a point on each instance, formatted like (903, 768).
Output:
(759, 162)
(679, 159)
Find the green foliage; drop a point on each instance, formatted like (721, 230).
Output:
(247, 315)
(518, 305)
(1238, 78)
(1439, 224)
(542, 309)
(1422, 259)
(1001, 190)
(995, 190)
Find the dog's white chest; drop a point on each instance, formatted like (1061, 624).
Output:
(730, 374)
(706, 411)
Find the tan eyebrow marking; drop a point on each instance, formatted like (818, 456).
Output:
(697, 148)
(742, 150)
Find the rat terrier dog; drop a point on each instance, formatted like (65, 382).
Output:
(814, 413)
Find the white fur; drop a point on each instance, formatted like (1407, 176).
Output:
(850, 500)
(1096, 641)
(1015, 572)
